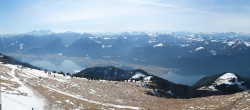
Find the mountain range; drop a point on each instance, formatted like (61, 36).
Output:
(189, 53)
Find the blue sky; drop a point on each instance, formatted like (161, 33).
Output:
(18, 16)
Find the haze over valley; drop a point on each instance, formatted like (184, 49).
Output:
(181, 53)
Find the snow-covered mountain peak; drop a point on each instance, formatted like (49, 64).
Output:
(247, 43)
(138, 75)
(159, 45)
(228, 75)
(239, 42)
(227, 82)
(226, 79)
(199, 48)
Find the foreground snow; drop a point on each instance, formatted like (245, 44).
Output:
(32, 101)
(18, 102)
(22, 98)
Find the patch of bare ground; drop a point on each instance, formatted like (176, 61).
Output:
(7, 85)
(80, 93)
(242, 102)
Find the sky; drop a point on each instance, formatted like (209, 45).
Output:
(19, 16)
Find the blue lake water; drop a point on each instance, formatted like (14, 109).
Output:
(182, 79)
(67, 66)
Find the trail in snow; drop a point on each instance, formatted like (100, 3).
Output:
(20, 102)
(30, 73)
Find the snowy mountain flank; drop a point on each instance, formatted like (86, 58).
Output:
(226, 83)
(28, 88)
(15, 94)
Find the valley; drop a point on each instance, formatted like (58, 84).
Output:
(80, 63)
(182, 53)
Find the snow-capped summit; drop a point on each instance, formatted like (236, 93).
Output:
(238, 43)
(159, 45)
(199, 48)
(227, 82)
(227, 79)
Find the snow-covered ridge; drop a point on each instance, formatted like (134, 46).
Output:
(236, 42)
(159, 45)
(229, 79)
(107, 46)
(213, 52)
(20, 97)
(140, 77)
(198, 38)
(230, 43)
(225, 79)
(152, 41)
(199, 48)
(247, 43)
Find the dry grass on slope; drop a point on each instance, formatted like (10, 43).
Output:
(80, 93)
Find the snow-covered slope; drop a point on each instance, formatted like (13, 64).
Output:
(22, 88)
(227, 78)
(227, 82)
(15, 94)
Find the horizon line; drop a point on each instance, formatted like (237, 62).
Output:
(106, 32)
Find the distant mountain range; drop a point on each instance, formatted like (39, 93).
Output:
(190, 53)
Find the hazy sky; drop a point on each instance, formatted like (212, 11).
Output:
(17, 16)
